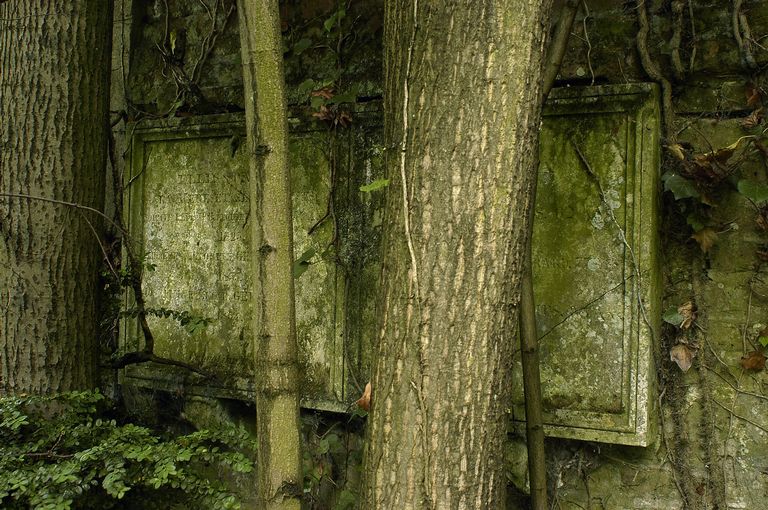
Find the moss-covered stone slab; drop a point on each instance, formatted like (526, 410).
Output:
(595, 263)
(188, 210)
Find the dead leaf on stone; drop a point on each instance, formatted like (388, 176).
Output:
(677, 150)
(706, 237)
(753, 119)
(683, 356)
(364, 402)
(688, 312)
(754, 360)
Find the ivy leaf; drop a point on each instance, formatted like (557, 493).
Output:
(347, 97)
(753, 190)
(672, 316)
(763, 341)
(301, 46)
(679, 186)
(306, 86)
(377, 184)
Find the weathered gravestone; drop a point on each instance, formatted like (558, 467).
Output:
(595, 263)
(189, 216)
(595, 258)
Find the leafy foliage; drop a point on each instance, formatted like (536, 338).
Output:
(332, 461)
(60, 452)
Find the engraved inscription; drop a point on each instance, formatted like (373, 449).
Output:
(196, 231)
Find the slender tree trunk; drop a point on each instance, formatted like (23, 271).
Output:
(529, 341)
(462, 114)
(277, 398)
(54, 90)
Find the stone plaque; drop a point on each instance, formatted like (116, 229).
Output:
(189, 215)
(188, 201)
(595, 263)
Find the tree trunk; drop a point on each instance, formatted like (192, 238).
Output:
(277, 398)
(54, 90)
(462, 114)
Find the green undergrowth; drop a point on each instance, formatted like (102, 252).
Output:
(71, 451)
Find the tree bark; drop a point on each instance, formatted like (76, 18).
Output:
(462, 111)
(277, 398)
(54, 92)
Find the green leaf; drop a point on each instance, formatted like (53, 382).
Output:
(672, 316)
(316, 102)
(753, 190)
(377, 184)
(301, 46)
(347, 500)
(306, 86)
(679, 186)
(696, 221)
(763, 341)
(347, 97)
(337, 16)
(302, 263)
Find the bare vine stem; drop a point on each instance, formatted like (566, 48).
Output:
(653, 71)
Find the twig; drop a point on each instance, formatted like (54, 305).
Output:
(693, 36)
(136, 357)
(739, 22)
(62, 202)
(558, 45)
(677, 35)
(747, 420)
(589, 44)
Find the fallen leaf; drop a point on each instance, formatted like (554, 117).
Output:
(677, 150)
(753, 94)
(688, 312)
(706, 238)
(364, 402)
(754, 360)
(753, 119)
(683, 356)
(325, 93)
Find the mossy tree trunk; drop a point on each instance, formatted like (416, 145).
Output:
(54, 84)
(277, 397)
(462, 114)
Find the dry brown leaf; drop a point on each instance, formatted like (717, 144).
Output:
(683, 356)
(753, 95)
(364, 402)
(677, 150)
(762, 219)
(706, 237)
(754, 360)
(753, 119)
(325, 92)
(688, 312)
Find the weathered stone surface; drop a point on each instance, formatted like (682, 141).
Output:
(189, 214)
(595, 262)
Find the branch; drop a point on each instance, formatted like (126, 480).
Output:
(529, 343)
(136, 357)
(558, 46)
